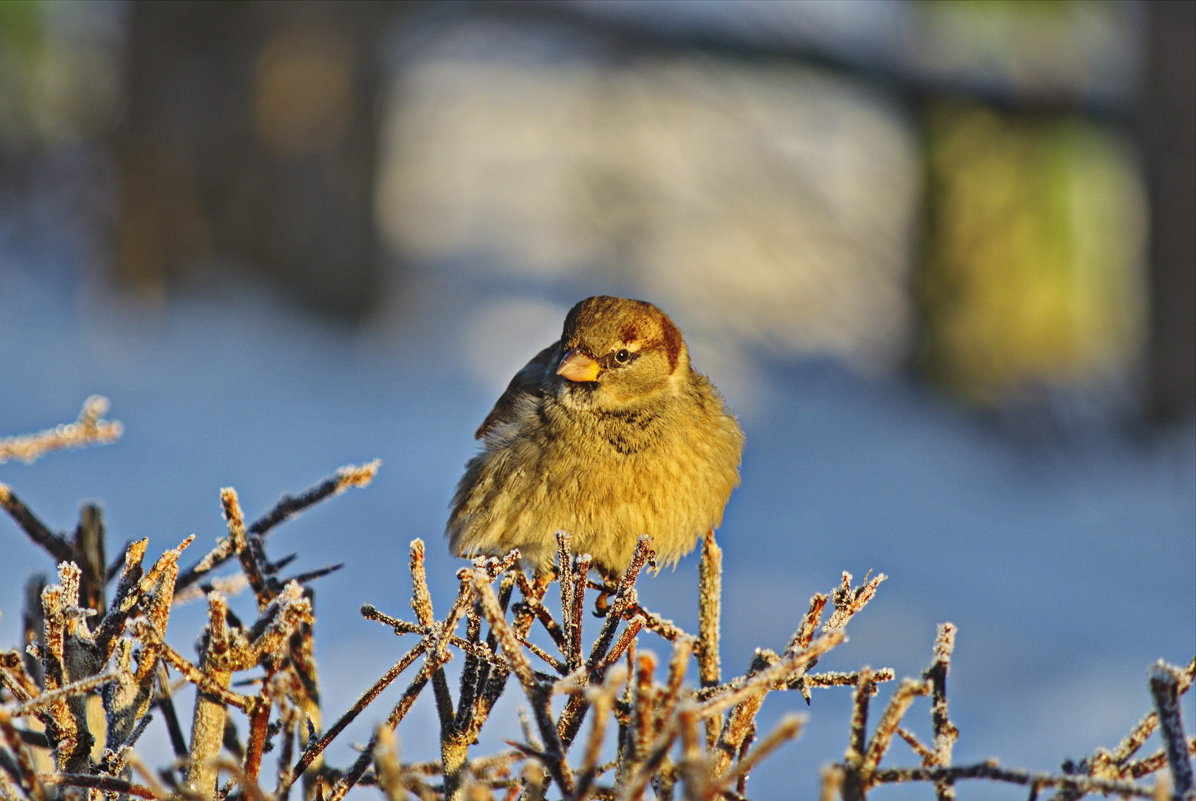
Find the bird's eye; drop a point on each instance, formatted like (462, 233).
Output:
(623, 356)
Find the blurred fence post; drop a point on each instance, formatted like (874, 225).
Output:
(250, 139)
(1168, 131)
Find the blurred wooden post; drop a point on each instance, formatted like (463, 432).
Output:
(1168, 131)
(250, 140)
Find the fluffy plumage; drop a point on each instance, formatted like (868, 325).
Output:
(607, 434)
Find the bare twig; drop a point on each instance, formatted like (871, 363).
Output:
(709, 600)
(1164, 688)
(287, 506)
(659, 750)
(106, 784)
(317, 748)
(56, 545)
(88, 429)
(992, 770)
(889, 721)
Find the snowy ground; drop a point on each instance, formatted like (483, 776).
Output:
(1068, 569)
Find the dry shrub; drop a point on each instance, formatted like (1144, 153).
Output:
(653, 731)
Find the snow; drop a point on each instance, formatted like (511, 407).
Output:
(1068, 567)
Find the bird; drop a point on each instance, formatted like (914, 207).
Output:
(607, 434)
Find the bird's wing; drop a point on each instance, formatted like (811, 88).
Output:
(528, 381)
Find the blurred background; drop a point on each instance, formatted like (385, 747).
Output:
(939, 257)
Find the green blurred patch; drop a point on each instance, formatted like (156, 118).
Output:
(22, 39)
(20, 27)
(1033, 271)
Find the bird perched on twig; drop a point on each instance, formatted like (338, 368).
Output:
(607, 434)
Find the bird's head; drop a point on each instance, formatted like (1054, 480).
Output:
(617, 352)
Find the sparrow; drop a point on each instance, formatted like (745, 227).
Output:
(607, 434)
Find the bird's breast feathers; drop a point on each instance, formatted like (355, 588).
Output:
(607, 476)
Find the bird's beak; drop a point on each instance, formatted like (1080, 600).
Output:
(578, 366)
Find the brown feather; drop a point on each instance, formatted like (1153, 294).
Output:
(527, 382)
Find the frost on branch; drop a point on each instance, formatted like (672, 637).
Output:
(89, 429)
(627, 706)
